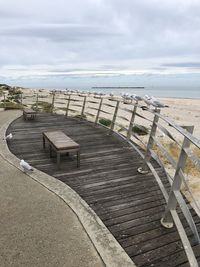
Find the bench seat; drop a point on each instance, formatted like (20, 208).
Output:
(29, 113)
(61, 143)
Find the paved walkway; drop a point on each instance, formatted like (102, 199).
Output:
(37, 228)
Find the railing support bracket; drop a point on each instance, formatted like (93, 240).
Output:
(142, 170)
(166, 224)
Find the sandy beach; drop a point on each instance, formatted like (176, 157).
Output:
(184, 112)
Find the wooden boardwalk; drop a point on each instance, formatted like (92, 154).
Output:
(129, 204)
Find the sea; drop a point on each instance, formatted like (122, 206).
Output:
(169, 92)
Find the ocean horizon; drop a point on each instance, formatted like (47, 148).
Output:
(160, 91)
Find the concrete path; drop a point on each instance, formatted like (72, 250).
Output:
(38, 228)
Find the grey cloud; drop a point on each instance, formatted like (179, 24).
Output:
(101, 35)
(183, 65)
(58, 32)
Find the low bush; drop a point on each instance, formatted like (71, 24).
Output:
(105, 122)
(140, 129)
(10, 105)
(79, 116)
(43, 106)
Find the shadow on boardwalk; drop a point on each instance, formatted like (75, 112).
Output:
(129, 204)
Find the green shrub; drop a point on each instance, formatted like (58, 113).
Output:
(47, 107)
(1, 92)
(14, 91)
(10, 98)
(105, 122)
(33, 106)
(140, 129)
(79, 116)
(10, 105)
(43, 106)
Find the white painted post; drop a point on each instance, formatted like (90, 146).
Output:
(53, 100)
(67, 108)
(4, 100)
(99, 110)
(144, 169)
(21, 100)
(132, 121)
(36, 102)
(83, 108)
(114, 117)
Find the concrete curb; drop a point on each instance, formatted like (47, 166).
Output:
(112, 254)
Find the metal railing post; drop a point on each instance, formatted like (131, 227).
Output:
(99, 110)
(21, 100)
(114, 117)
(132, 121)
(36, 102)
(167, 220)
(4, 100)
(53, 100)
(67, 108)
(83, 108)
(144, 169)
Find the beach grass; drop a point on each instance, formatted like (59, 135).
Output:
(174, 150)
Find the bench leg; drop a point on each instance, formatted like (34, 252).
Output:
(50, 151)
(58, 160)
(43, 142)
(32, 116)
(78, 159)
(24, 115)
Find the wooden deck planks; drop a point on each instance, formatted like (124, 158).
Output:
(129, 204)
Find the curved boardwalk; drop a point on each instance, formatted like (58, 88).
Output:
(129, 204)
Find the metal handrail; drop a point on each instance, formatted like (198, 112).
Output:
(185, 133)
(117, 106)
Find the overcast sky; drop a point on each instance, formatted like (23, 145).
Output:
(99, 42)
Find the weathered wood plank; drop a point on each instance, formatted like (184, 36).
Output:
(128, 203)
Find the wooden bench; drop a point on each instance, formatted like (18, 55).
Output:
(29, 113)
(61, 144)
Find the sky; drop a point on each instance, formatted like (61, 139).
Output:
(83, 43)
